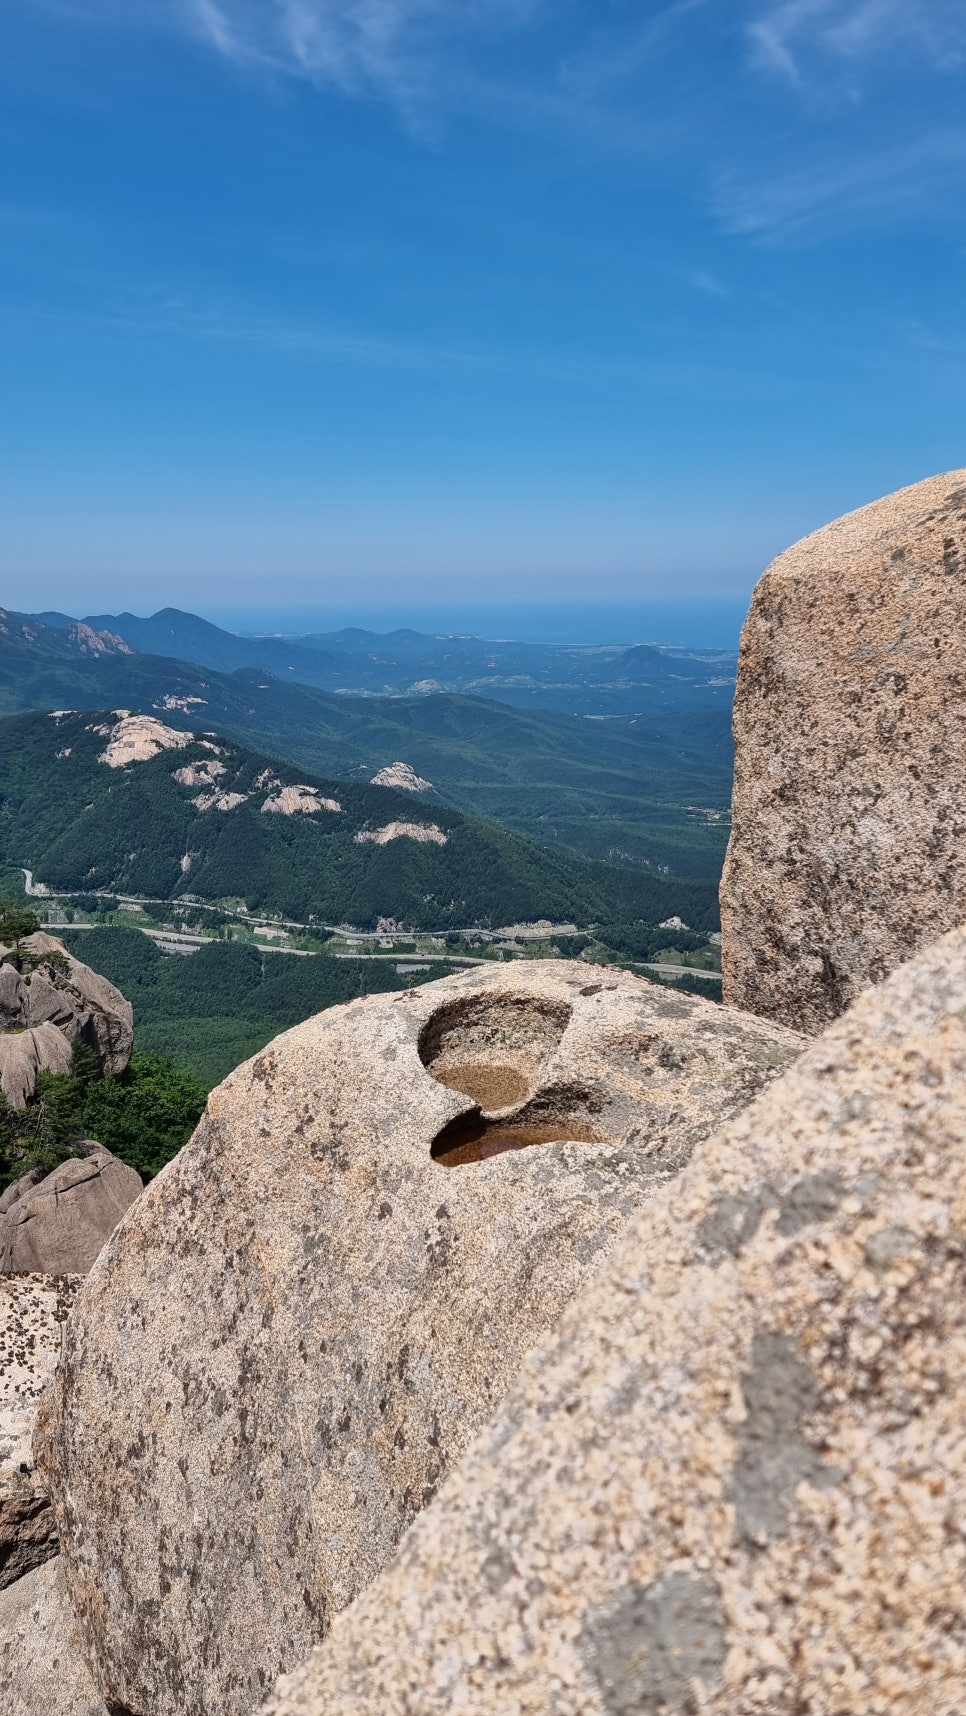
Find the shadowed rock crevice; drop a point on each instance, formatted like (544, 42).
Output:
(474, 1137)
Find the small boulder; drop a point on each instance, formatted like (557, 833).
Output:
(733, 1477)
(847, 851)
(33, 1311)
(59, 1224)
(297, 1329)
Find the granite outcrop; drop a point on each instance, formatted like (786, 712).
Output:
(732, 1479)
(52, 1003)
(56, 1223)
(847, 850)
(297, 1328)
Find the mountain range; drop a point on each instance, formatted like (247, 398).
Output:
(647, 790)
(575, 679)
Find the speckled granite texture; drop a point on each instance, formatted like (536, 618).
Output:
(848, 847)
(33, 1311)
(42, 1671)
(733, 1479)
(298, 1326)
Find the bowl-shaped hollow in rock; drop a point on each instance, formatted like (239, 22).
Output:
(298, 1326)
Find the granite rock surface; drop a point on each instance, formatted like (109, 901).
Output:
(42, 1671)
(58, 1224)
(297, 1328)
(33, 1311)
(733, 1479)
(848, 846)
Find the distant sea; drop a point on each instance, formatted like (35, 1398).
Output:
(695, 625)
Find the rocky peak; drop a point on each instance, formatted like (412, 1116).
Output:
(51, 1003)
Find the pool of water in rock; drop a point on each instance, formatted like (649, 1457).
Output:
(473, 1138)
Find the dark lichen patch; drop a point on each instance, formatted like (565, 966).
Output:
(648, 1647)
(886, 1247)
(812, 1199)
(775, 1454)
(733, 1220)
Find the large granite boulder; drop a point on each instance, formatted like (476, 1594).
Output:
(57, 1225)
(848, 850)
(33, 1311)
(54, 1002)
(24, 1054)
(733, 1478)
(42, 1670)
(299, 1325)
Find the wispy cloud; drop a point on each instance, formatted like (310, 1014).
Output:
(789, 37)
(917, 179)
(393, 48)
(171, 315)
(692, 83)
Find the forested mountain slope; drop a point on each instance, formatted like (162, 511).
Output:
(92, 801)
(651, 790)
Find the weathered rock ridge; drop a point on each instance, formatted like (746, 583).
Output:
(732, 1479)
(297, 1328)
(57, 1002)
(848, 847)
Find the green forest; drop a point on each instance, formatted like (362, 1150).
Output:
(650, 789)
(144, 1116)
(83, 827)
(210, 1011)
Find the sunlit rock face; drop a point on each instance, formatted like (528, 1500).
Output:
(848, 849)
(57, 1224)
(42, 1668)
(731, 1479)
(298, 1327)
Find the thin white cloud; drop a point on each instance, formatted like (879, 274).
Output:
(703, 280)
(914, 180)
(390, 47)
(690, 83)
(174, 316)
(398, 49)
(792, 36)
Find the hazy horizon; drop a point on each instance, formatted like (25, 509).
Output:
(696, 625)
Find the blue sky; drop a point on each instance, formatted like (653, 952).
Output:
(332, 305)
